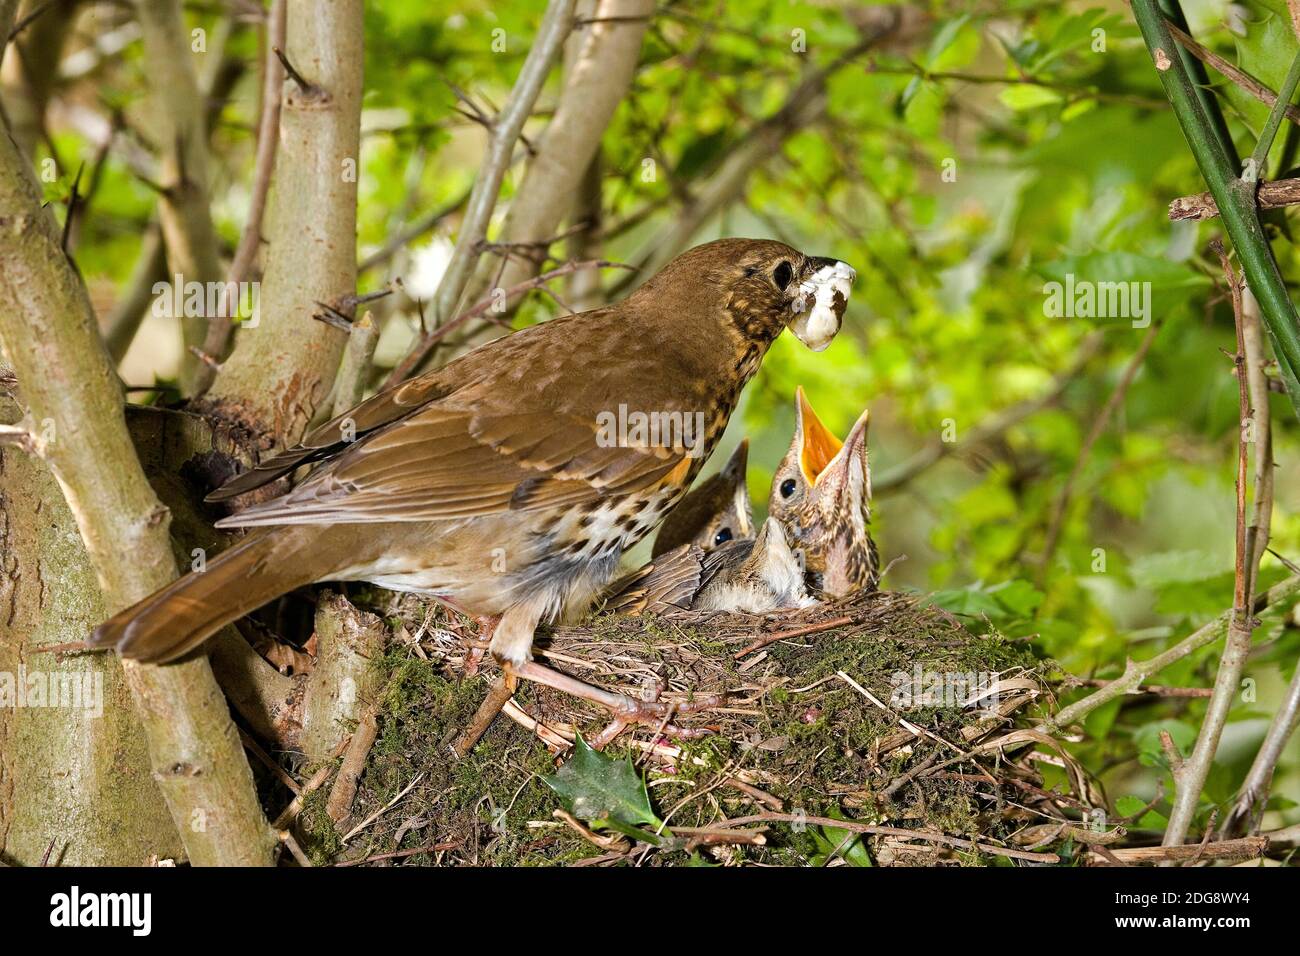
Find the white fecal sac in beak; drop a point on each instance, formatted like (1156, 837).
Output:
(820, 302)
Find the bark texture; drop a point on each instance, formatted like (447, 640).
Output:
(48, 334)
(281, 371)
(74, 765)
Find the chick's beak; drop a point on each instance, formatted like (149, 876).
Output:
(819, 444)
(840, 475)
(820, 301)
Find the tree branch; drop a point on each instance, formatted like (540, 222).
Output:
(1235, 198)
(268, 138)
(282, 370)
(597, 78)
(48, 332)
(183, 206)
(1138, 671)
(551, 33)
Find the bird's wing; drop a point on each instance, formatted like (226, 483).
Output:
(670, 582)
(452, 462)
(374, 413)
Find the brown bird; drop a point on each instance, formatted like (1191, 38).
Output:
(821, 494)
(715, 511)
(754, 577)
(507, 483)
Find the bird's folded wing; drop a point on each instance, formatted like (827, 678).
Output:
(446, 462)
(670, 582)
(374, 413)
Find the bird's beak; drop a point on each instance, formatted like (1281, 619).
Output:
(818, 443)
(820, 301)
(836, 474)
(735, 470)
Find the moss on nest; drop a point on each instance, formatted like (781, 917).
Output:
(793, 731)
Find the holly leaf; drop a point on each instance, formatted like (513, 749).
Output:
(607, 793)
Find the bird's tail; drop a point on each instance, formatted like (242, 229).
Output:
(176, 619)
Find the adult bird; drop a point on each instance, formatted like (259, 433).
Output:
(496, 483)
(715, 511)
(821, 494)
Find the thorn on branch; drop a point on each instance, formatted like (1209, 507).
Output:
(73, 206)
(205, 358)
(293, 74)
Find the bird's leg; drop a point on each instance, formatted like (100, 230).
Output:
(626, 710)
(486, 625)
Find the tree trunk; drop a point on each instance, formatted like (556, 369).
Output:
(48, 334)
(282, 370)
(73, 772)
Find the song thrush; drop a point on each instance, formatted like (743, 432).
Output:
(821, 494)
(715, 511)
(754, 577)
(508, 482)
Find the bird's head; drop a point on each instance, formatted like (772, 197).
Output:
(821, 494)
(774, 565)
(762, 286)
(716, 511)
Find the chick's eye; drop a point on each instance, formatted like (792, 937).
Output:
(782, 275)
(787, 488)
(722, 537)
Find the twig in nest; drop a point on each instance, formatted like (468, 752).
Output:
(1246, 848)
(384, 809)
(317, 780)
(855, 827)
(402, 854)
(767, 639)
(344, 791)
(501, 691)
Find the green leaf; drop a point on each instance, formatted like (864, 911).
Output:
(835, 841)
(1129, 806)
(607, 793)
(1025, 96)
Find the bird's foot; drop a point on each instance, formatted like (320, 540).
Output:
(487, 625)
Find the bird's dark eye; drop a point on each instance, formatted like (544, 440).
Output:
(787, 488)
(782, 275)
(722, 537)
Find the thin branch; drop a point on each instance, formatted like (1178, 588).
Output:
(551, 34)
(1235, 199)
(1194, 772)
(1136, 672)
(1238, 76)
(1259, 158)
(1273, 194)
(268, 137)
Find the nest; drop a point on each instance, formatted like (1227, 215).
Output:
(884, 712)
